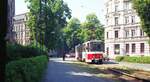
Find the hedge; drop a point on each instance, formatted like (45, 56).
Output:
(16, 51)
(26, 70)
(142, 59)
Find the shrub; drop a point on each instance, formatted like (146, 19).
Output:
(119, 58)
(26, 70)
(16, 51)
(143, 59)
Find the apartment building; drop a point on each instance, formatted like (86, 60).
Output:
(123, 33)
(20, 28)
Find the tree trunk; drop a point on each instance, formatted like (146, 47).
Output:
(3, 31)
(10, 23)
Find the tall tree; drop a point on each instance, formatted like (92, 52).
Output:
(76, 33)
(70, 33)
(142, 7)
(46, 20)
(92, 28)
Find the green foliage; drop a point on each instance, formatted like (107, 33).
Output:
(70, 32)
(144, 59)
(119, 58)
(142, 7)
(46, 22)
(26, 70)
(76, 33)
(16, 51)
(92, 21)
(92, 28)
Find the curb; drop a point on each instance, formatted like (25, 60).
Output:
(145, 80)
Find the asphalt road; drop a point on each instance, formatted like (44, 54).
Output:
(59, 71)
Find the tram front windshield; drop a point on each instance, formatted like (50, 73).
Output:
(95, 46)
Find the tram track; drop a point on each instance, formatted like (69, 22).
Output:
(114, 71)
(117, 72)
(129, 75)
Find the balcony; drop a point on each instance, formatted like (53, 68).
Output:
(127, 39)
(129, 11)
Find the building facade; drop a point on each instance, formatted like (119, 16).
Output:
(22, 33)
(123, 33)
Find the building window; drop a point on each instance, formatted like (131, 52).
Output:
(27, 34)
(107, 10)
(16, 28)
(107, 35)
(142, 47)
(133, 19)
(116, 20)
(116, 34)
(127, 33)
(133, 48)
(132, 33)
(22, 34)
(107, 21)
(16, 36)
(117, 49)
(127, 48)
(27, 42)
(126, 5)
(127, 20)
(116, 8)
(107, 52)
(19, 28)
(141, 32)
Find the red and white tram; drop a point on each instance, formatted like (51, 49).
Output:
(90, 51)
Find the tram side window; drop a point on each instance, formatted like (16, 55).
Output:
(100, 47)
(88, 45)
(96, 47)
(83, 48)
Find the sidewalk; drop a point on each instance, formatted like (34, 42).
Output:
(145, 67)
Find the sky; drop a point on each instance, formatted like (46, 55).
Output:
(80, 8)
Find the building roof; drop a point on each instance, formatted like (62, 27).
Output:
(20, 16)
